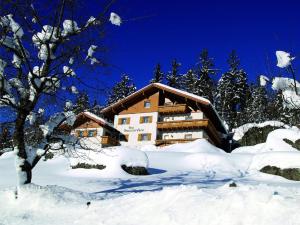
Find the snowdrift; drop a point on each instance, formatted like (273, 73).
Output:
(112, 159)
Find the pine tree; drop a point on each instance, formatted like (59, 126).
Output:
(190, 82)
(205, 83)
(246, 115)
(259, 104)
(96, 108)
(226, 92)
(173, 78)
(232, 92)
(81, 103)
(121, 90)
(158, 75)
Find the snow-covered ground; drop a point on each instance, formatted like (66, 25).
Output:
(189, 184)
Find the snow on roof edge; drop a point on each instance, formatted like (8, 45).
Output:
(90, 114)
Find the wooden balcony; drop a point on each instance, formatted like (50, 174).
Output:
(172, 109)
(173, 141)
(190, 125)
(182, 124)
(108, 140)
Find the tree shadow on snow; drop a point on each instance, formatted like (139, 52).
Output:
(153, 171)
(158, 183)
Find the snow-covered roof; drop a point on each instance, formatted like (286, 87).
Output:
(97, 119)
(182, 92)
(185, 94)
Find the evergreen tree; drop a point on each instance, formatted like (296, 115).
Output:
(232, 92)
(190, 82)
(96, 108)
(121, 90)
(205, 83)
(245, 116)
(226, 103)
(259, 104)
(158, 75)
(173, 78)
(81, 103)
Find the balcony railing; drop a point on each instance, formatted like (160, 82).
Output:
(108, 140)
(173, 141)
(170, 109)
(182, 124)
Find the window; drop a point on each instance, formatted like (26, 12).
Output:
(144, 137)
(91, 133)
(188, 136)
(146, 119)
(147, 104)
(123, 121)
(80, 133)
(188, 117)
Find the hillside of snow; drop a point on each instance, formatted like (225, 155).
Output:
(188, 184)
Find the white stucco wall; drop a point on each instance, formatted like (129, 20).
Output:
(135, 127)
(193, 115)
(181, 134)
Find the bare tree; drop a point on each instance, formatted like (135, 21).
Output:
(41, 44)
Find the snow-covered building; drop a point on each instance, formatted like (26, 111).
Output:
(89, 125)
(159, 114)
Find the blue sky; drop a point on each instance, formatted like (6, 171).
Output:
(180, 29)
(157, 31)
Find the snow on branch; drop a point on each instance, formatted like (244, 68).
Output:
(283, 59)
(56, 120)
(263, 80)
(14, 27)
(286, 85)
(115, 19)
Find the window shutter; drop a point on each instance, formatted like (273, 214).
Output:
(141, 119)
(149, 136)
(85, 133)
(139, 137)
(150, 119)
(127, 120)
(119, 121)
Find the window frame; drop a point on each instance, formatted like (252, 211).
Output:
(188, 136)
(123, 121)
(91, 131)
(80, 133)
(147, 104)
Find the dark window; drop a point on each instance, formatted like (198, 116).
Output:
(147, 104)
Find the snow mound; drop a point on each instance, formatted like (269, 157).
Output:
(240, 131)
(197, 146)
(274, 142)
(112, 159)
(283, 160)
(212, 164)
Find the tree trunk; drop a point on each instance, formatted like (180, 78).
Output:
(24, 171)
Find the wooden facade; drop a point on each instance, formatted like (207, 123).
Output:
(88, 125)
